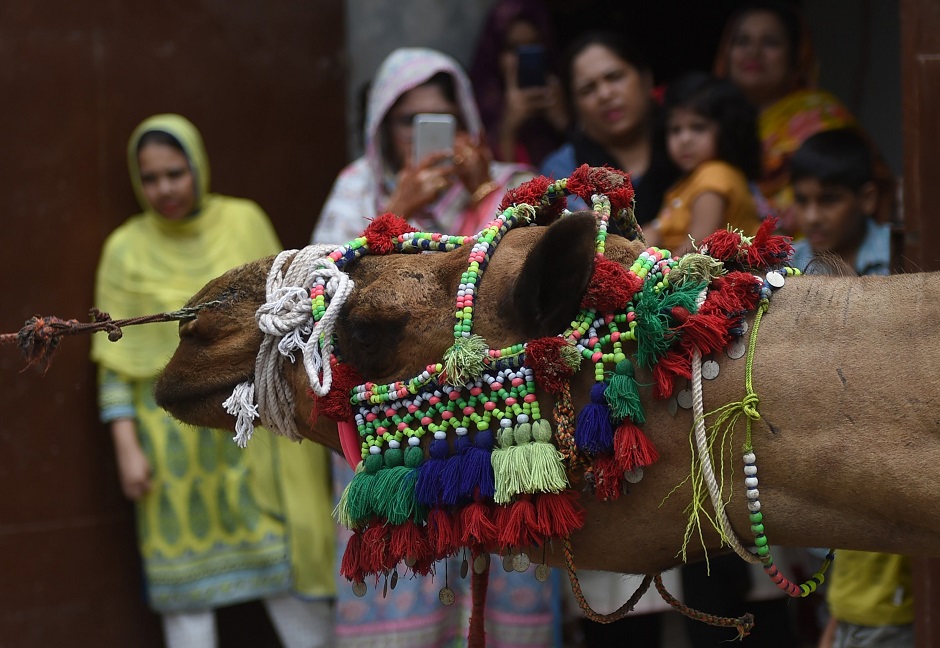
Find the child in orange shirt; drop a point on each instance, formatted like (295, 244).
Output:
(711, 135)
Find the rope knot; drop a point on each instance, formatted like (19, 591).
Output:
(749, 406)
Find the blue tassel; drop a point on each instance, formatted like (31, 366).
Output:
(477, 470)
(453, 469)
(594, 431)
(428, 488)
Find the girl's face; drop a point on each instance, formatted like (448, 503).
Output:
(611, 96)
(759, 61)
(400, 119)
(690, 138)
(167, 180)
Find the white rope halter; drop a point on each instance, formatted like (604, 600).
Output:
(286, 319)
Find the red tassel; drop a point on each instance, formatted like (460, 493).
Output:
(733, 293)
(674, 363)
(477, 526)
(351, 564)
(517, 524)
(766, 248)
(543, 356)
(336, 403)
(614, 183)
(409, 541)
(723, 245)
(632, 448)
(441, 533)
(708, 332)
(528, 193)
(384, 230)
(611, 287)
(558, 515)
(607, 478)
(375, 555)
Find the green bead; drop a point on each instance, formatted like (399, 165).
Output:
(757, 528)
(757, 518)
(760, 540)
(763, 551)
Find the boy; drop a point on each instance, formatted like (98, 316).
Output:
(835, 197)
(869, 594)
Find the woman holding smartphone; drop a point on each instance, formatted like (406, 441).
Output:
(453, 191)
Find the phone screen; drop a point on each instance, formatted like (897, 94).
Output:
(433, 133)
(531, 71)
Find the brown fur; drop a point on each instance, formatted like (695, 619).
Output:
(848, 446)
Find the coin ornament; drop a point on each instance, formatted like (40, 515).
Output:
(710, 370)
(481, 563)
(394, 580)
(737, 349)
(520, 562)
(672, 405)
(684, 398)
(542, 572)
(507, 563)
(447, 596)
(359, 589)
(633, 476)
(776, 279)
(464, 568)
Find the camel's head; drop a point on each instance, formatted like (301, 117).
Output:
(398, 319)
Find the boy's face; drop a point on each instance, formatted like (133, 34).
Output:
(832, 216)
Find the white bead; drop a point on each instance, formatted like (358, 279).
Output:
(413, 441)
(394, 444)
(753, 507)
(750, 470)
(506, 423)
(749, 458)
(440, 435)
(522, 418)
(750, 482)
(461, 431)
(375, 450)
(753, 493)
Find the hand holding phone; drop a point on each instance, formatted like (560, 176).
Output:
(433, 133)
(531, 69)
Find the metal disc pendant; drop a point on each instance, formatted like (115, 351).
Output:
(447, 596)
(507, 562)
(542, 572)
(481, 563)
(684, 398)
(744, 327)
(672, 405)
(633, 476)
(385, 588)
(520, 562)
(464, 568)
(737, 349)
(710, 370)
(410, 561)
(394, 580)
(776, 279)
(359, 589)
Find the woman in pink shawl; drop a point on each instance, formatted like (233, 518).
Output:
(453, 197)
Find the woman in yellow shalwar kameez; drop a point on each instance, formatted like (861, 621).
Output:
(217, 525)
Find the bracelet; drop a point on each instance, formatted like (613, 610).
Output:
(484, 190)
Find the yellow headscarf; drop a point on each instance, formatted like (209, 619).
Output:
(152, 265)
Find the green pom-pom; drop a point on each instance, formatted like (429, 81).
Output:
(414, 456)
(696, 268)
(523, 433)
(542, 431)
(506, 438)
(623, 394)
(374, 463)
(463, 361)
(394, 457)
(570, 356)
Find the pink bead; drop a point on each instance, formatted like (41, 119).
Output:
(592, 342)
(576, 335)
(371, 417)
(467, 411)
(434, 400)
(614, 336)
(510, 401)
(631, 316)
(412, 409)
(608, 318)
(426, 420)
(446, 415)
(476, 391)
(529, 398)
(454, 395)
(489, 406)
(517, 381)
(402, 392)
(496, 386)
(402, 426)
(380, 430)
(597, 357)
(390, 412)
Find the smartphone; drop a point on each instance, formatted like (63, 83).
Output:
(531, 70)
(433, 133)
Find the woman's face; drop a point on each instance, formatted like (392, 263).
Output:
(520, 33)
(400, 119)
(167, 180)
(759, 61)
(611, 96)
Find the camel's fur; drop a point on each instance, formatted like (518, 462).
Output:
(848, 446)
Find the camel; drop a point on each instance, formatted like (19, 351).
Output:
(848, 435)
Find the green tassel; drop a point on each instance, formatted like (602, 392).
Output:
(623, 394)
(697, 269)
(510, 468)
(463, 361)
(546, 470)
(395, 492)
(653, 319)
(358, 499)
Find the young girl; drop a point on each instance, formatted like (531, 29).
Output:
(711, 135)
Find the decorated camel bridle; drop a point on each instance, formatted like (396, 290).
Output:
(494, 477)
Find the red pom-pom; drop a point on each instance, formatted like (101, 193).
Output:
(768, 249)
(558, 515)
(383, 230)
(528, 193)
(409, 541)
(336, 404)
(478, 526)
(543, 356)
(611, 287)
(732, 294)
(614, 183)
(723, 245)
(517, 524)
(442, 533)
(632, 448)
(351, 565)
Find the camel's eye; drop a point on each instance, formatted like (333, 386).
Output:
(371, 344)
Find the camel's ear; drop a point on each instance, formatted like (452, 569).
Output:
(549, 289)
